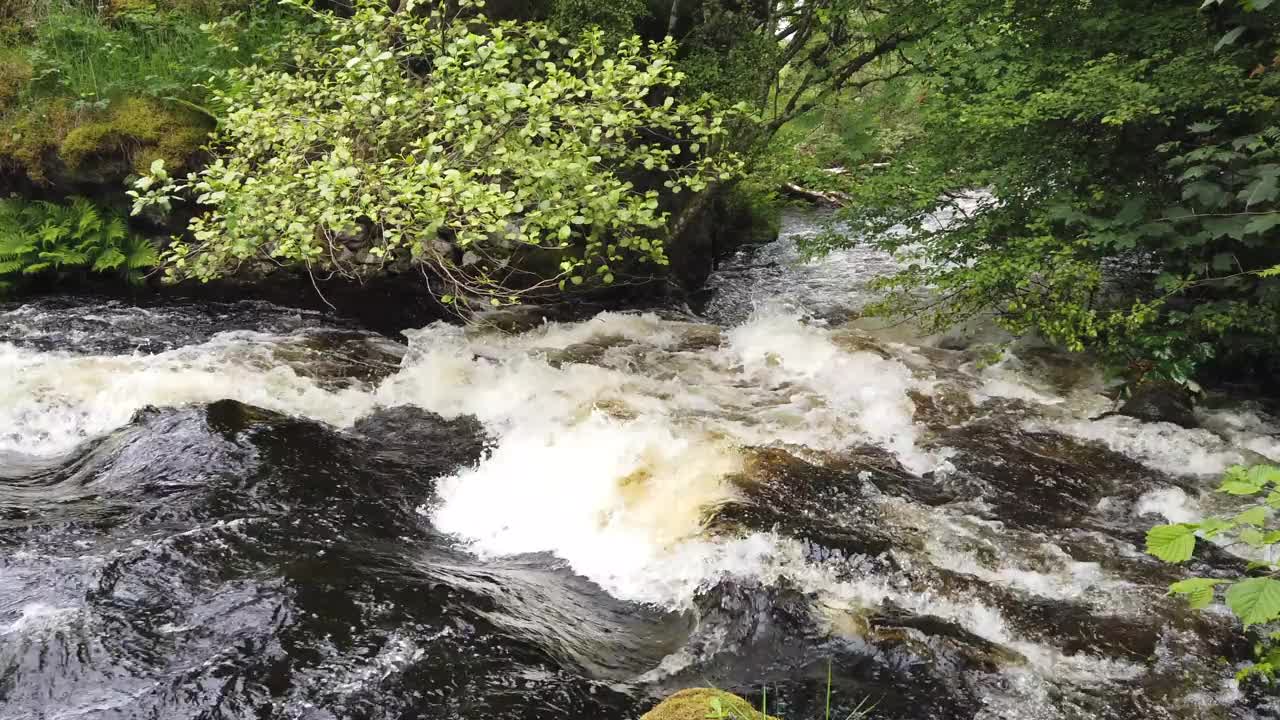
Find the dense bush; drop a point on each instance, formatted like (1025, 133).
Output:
(1131, 173)
(504, 160)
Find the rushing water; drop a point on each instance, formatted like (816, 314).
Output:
(245, 511)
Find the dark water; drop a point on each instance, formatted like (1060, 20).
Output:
(244, 511)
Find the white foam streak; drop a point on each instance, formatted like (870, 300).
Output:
(778, 351)
(52, 402)
(1163, 446)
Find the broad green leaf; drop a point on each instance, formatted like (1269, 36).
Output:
(1253, 537)
(1264, 474)
(1264, 189)
(1239, 487)
(1254, 601)
(1229, 38)
(1198, 591)
(1253, 516)
(1259, 224)
(1211, 526)
(1172, 543)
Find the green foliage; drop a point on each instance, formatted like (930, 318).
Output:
(474, 153)
(15, 75)
(44, 238)
(1129, 172)
(617, 19)
(138, 49)
(1255, 600)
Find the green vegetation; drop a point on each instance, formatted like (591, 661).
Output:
(90, 92)
(43, 239)
(1125, 156)
(1255, 599)
(480, 156)
(1110, 171)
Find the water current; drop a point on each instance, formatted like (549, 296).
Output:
(247, 511)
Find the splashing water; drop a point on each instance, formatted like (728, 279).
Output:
(568, 520)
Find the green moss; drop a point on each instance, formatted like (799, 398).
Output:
(699, 704)
(28, 138)
(144, 130)
(137, 131)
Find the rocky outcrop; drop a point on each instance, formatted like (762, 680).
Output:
(1161, 402)
(726, 222)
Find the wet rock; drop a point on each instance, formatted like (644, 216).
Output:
(1037, 479)
(1161, 402)
(820, 505)
(703, 703)
(584, 353)
(411, 432)
(940, 642)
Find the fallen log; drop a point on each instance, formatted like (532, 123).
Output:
(831, 198)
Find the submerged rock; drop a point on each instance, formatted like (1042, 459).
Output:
(704, 703)
(1161, 402)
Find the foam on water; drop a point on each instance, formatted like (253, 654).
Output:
(614, 440)
(596, 493)
(1163, 446)
(52, 402)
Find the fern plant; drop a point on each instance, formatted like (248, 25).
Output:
(38, 238)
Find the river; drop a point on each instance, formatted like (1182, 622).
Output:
(247, 511)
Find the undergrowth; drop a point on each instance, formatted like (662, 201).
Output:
(53, 240)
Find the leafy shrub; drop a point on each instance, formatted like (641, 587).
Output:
(1255, 600)
(402, 136)
(44, 238)
(1131, 178)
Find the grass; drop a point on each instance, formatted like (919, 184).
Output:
(139, 48)
(102, 86)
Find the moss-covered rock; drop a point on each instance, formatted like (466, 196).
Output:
(55, 143)
(704, 703)
(144, 130)
(29, 138)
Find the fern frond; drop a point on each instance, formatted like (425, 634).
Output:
(141, 254)
(11, 266)
(65, 256)
(88, 221)
(15, 244)
(36, 268)
(114, 231)
(51, 233)
(110, 259)
(11, 210)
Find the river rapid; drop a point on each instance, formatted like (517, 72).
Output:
(246, 511)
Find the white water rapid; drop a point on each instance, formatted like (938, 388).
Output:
(614, 442)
